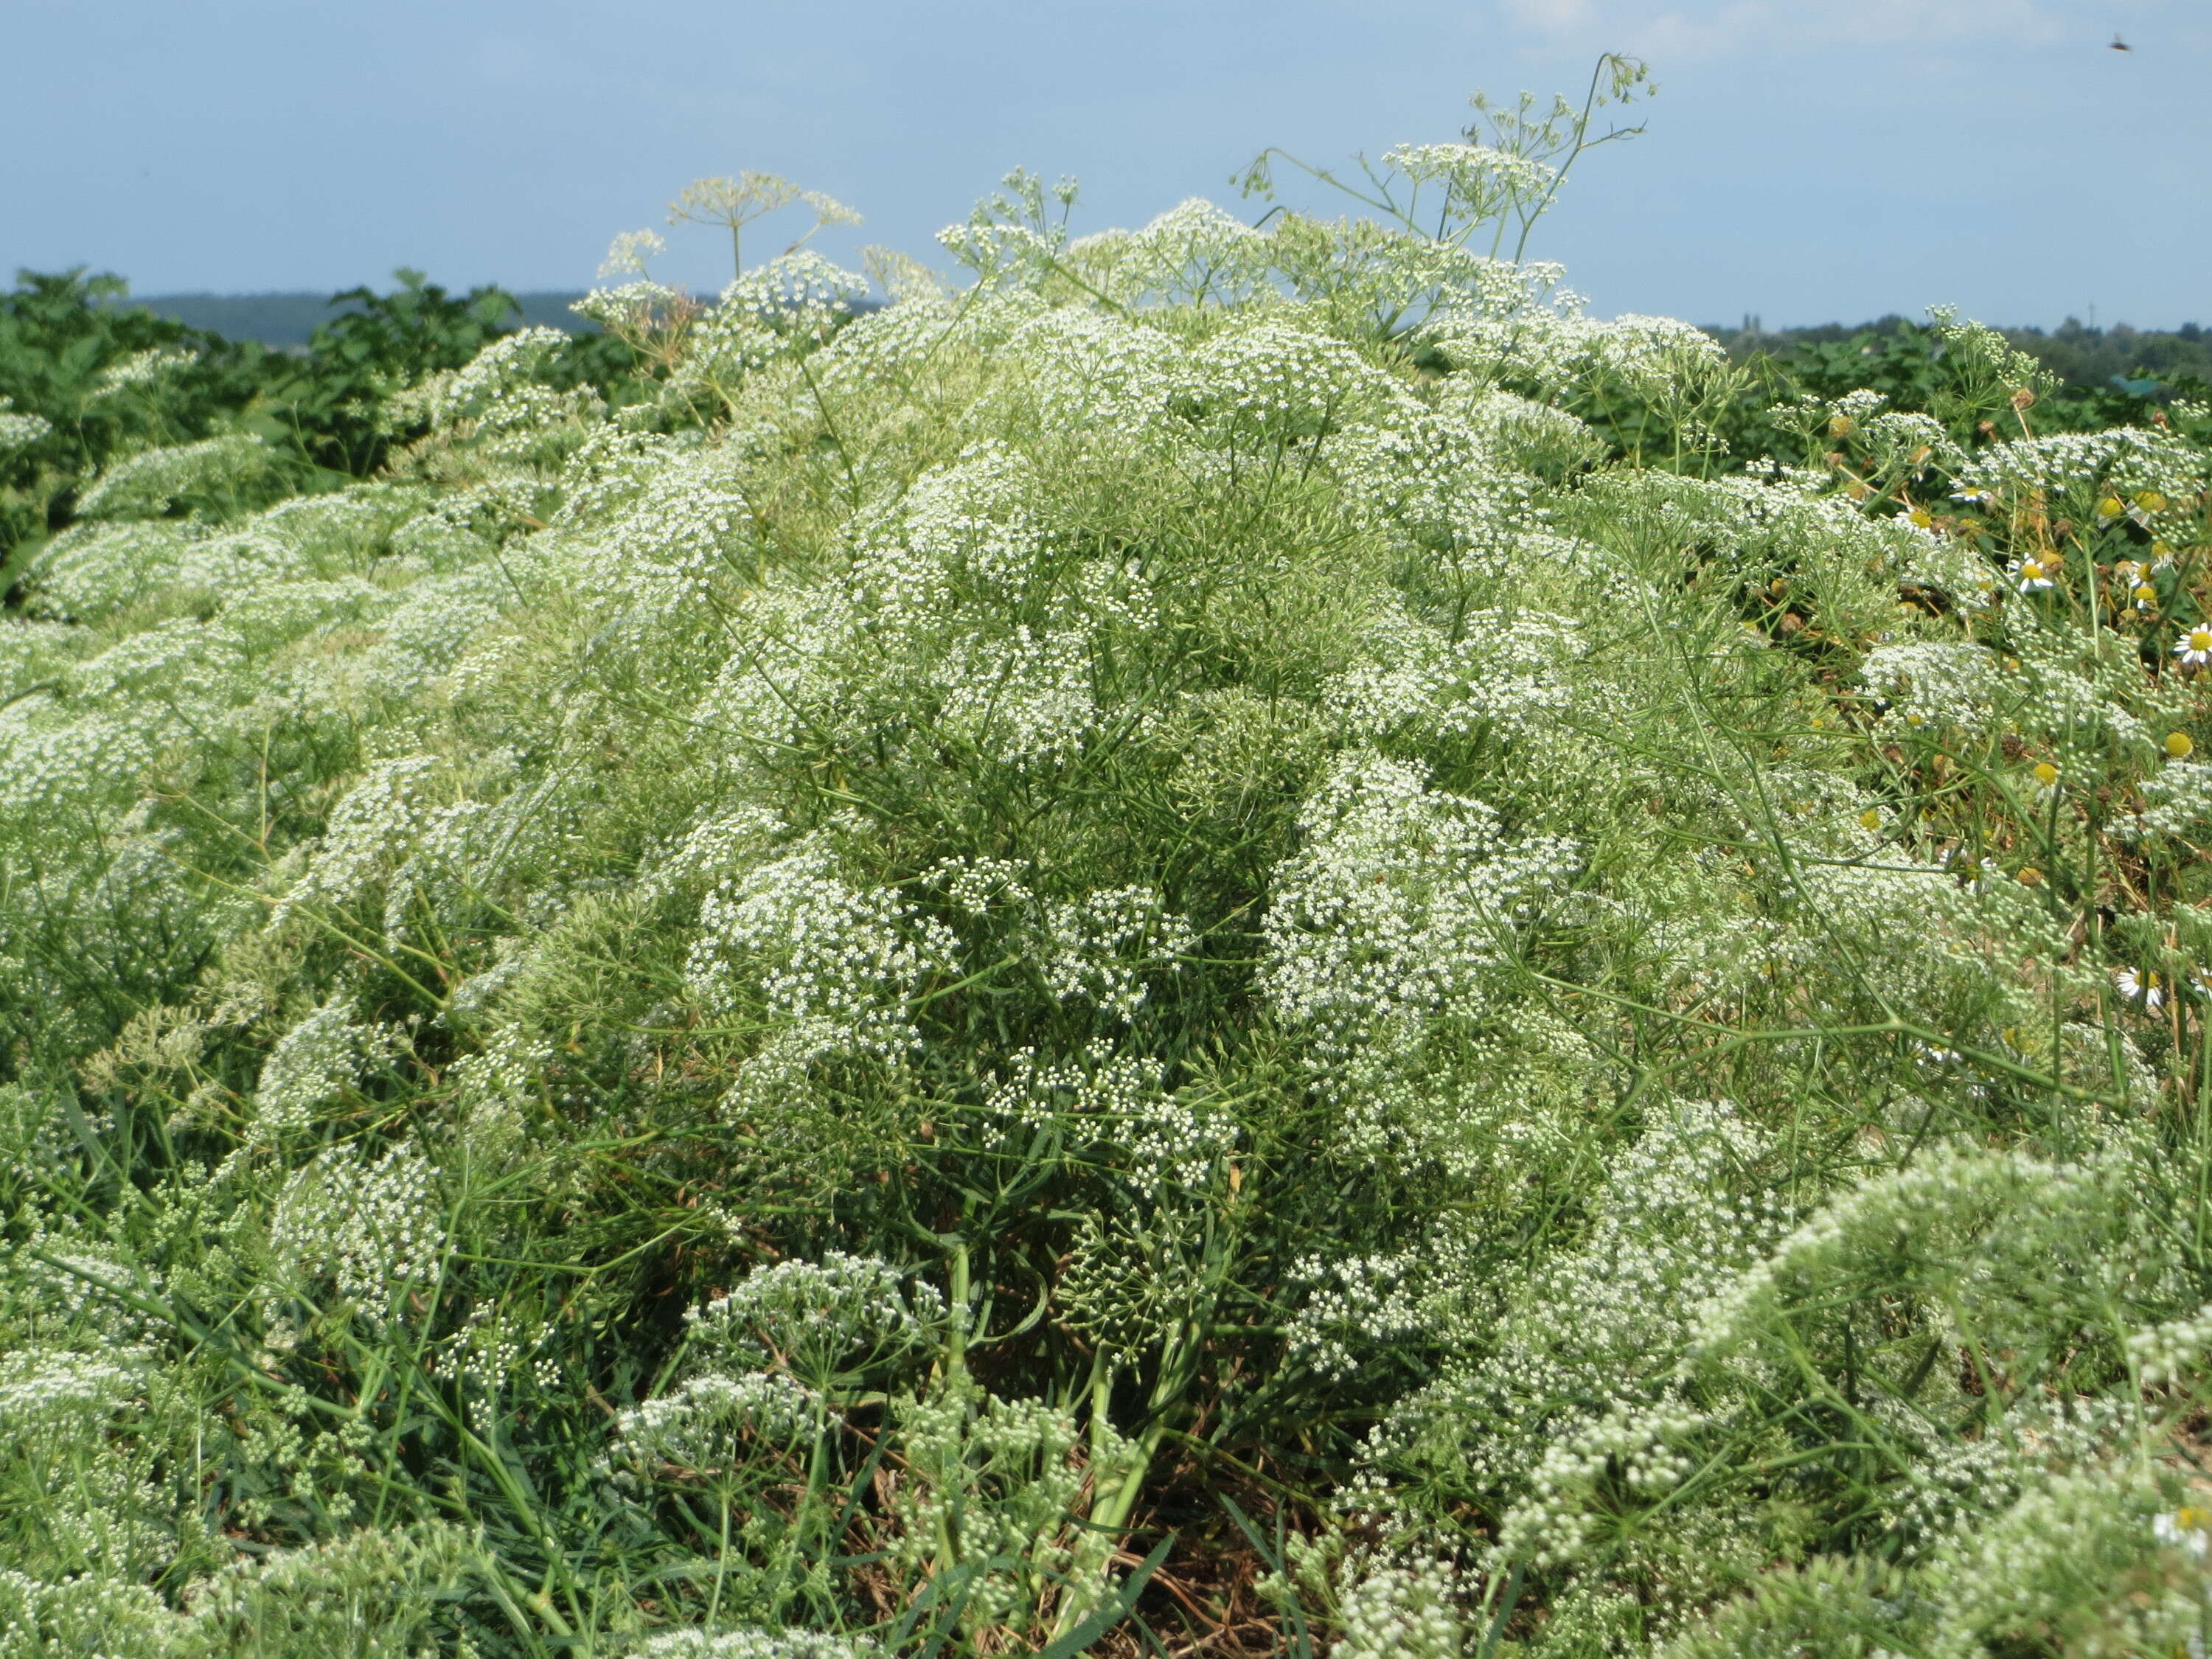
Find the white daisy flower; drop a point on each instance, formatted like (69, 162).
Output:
(2031, 575)
(2143, 987)
(2196, 647)
(2184, 1529)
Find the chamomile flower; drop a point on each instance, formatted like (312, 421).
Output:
(2142, 987)
(2180, 745)
(2045, 775)
(2196, 647)
(2033, 575)
(1972, 871)
(2187, 1529)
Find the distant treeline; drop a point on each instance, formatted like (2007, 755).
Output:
(288, 321)
(2140, 361)
(2082, 356)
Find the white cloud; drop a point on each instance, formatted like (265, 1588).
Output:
(1553, 16)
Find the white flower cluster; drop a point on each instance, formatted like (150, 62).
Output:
(1958, 1484)
(1024, 697)
(2101, 1554)
(2128, 459)
(840, 964)
(1401, 1608)
(1191, 254)
(2177, 800)
(776, 312)
(369, 1230)
(1479, 179)
(1352, 1305)
(368, 832)
(20, 431)
(1595, 1333)
(38, 1387)
(1505, 674)
(1641, 1447)
(2167, 1351)
(1553, 347)
(143, 367)
(752, 1643)
(973, 886)
(1104, 944)
(502, 397)
(312, 1063)
(818, 1318)
(1406, 903)
(149, 484)
(701, 1424)
(1114, 1106)
(2017, 1251)
(1938, 685)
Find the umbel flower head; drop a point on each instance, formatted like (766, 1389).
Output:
(735, 203)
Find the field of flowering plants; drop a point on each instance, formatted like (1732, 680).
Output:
(1231, 940)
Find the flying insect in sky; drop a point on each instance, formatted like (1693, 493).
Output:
(2119, 44)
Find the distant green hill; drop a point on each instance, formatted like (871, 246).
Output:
(287, 319)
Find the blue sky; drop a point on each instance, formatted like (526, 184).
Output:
(1806, 161)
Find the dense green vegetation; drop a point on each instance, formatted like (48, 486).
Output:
(290, 318)
(2081, 358)
(88, 380)
(1231, 940)
(2098, 378)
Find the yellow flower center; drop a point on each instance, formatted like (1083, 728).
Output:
(2179, 745)
(2030, 875)
(2045, 774)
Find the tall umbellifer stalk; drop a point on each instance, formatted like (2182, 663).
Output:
(736, 202)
